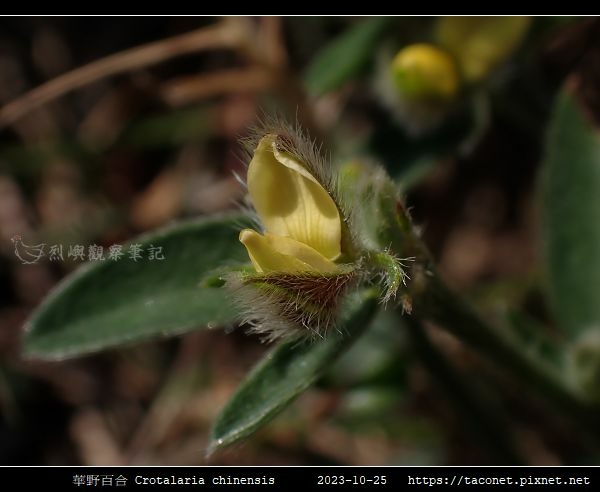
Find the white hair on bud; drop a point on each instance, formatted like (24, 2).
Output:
(286, 306)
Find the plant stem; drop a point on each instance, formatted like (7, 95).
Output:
(445, 307)
(433, 300)
(480, 413)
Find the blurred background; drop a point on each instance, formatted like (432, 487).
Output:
(111, 127)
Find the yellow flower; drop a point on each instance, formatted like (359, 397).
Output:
(303, 228)
(479, 44)
(423, 72)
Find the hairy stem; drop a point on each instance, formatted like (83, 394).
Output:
(438, 303)
(433, 300)
(481, 414)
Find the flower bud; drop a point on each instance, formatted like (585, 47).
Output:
(479, 44)
(419, 84)
(425, 73)
(301, 254)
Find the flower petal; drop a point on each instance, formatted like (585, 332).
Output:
(303, 252)
(271, 253)
(291, 202)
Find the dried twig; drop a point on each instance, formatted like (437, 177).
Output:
(188, 89)
(226, 34)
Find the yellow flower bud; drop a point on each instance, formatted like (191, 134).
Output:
(300, 277)
(422, 72)
(480, 43)
(302, 222)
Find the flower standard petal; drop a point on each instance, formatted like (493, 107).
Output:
(291, 202)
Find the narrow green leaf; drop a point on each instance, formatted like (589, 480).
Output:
(285, 373)
(108, 303)
(345, 56)
(571, 207)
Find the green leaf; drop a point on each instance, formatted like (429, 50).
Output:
(380, 357)
(345, 56)
(285, 373)
(108, 303)
(571, 207)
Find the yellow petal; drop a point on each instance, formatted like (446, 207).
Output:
(480, 43)
(423, 72)
(291, 202)
(271, 253)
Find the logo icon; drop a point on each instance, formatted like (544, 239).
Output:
(26, 253)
